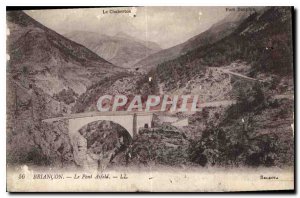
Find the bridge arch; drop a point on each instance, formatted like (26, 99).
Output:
(106, 125)
(125, 121)
(97, 142)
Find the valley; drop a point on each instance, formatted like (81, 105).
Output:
(241, 68)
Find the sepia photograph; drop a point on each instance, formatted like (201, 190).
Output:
(150, 99)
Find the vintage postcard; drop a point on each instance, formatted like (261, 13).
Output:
(150, 99)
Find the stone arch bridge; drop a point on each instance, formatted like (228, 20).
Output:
(131, 121)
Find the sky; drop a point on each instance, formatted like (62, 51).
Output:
(167, 26)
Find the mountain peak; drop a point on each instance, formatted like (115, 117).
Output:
(123, 35)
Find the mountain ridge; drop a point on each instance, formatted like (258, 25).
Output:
(216, 32)
(120, 49)
(262, 41)
(39, 55)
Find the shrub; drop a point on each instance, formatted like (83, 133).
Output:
(67, 96)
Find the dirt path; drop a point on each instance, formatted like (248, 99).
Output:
(284, 96)
(218, 103)
(237, 74)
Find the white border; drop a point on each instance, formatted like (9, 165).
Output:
(3, 5)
